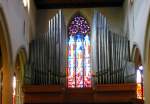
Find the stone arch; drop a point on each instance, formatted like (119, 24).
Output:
(147, 62)
(19, 74)
(6, 86)
(137, 60)
(77, 13)
(136, 56)
(78, 32)
(5, 40)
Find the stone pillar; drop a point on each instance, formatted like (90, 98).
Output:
(147, 78)
(7, 86)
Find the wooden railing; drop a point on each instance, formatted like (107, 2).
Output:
(115, 93)
(40, 94)
(106, 93)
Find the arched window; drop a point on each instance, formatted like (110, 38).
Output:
(79, 68)
(14, 89)
(139, 81)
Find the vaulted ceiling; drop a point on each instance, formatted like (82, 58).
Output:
(55, 4)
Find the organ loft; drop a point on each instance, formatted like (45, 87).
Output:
(80, 52)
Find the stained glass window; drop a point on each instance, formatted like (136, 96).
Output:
(14, 89)
(79, 69)
(139, 81)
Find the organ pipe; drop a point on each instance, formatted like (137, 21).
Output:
(47, 53)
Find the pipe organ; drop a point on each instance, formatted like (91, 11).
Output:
(47, 53)
(48, 60)
(109, 52)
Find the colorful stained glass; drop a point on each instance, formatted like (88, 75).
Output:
(87, 71)
(79, 24)
(139, 91)
(71, 77)
(139, 81)
(79, 69)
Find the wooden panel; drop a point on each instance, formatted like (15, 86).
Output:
(114, 93)
(84, 95)
(110, 93)
(42, 88)
(115, 87)
(42, 98)
(40, 94)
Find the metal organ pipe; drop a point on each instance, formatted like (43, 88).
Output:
(60, 47)
(102, 49)
(108, 64)
(105, 59)
(53, 48)
(47, 59)
(110, 53)
(98, 48)
(57, 47)
(51, 51)
(46, 53)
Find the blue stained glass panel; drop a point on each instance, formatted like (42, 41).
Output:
(79, 68)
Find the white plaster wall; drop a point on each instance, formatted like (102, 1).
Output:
(114, 16)
(16, 16)
(147, 66)
(135, 22)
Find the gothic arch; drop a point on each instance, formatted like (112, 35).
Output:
(78, 53)
(137, 59)
(136, 56)
(19, 76)
(22, 53)
(78, 13)
(147, 38)
(4, 40)
(147, 62)
(6, 86)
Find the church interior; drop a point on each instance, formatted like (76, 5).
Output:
(74, 51)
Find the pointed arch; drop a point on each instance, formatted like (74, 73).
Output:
(19, 76)
(78, 53)
(147, 62)
(136, 56)
(78, 23)
(6, 53)
(5, 39)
